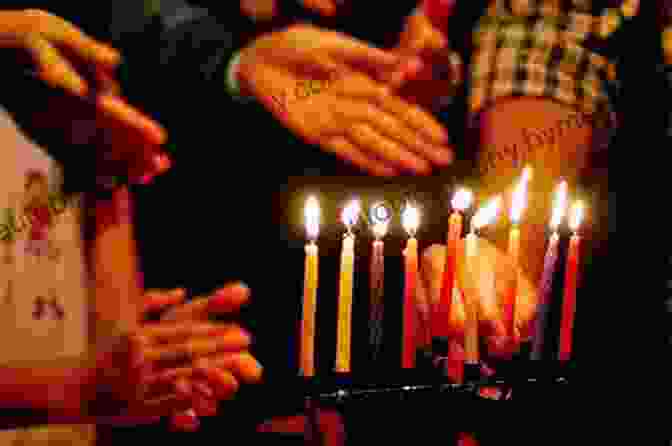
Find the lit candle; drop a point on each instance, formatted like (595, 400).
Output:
(410, 220)
(550, 259)
(484, 216)
(380, 216)
(441, 316)
(344, 326)
(517, 207)
(310, 281)
(571, 276)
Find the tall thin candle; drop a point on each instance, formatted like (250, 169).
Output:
(380, 216)
(410, 220)
(441, 314)
(344, 325)
(517, 206)
(484, 216)
(571, 278)
(310, 283)
(550, 260)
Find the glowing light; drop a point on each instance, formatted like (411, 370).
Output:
(576, 217)
(380, 216)
(559, 206)
(462, 199)
(312, 214)
(351, 214)
(487, 214)
(410, 219)
(519, 199)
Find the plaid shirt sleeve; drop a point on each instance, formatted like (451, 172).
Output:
(548, 48)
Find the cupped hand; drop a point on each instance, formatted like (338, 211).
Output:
(215, 377)
(488, 285)
(349, 113)
(91, 110)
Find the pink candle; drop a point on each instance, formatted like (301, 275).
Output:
(571, 279)
(409, 344)
(550, 260)
(380, 217)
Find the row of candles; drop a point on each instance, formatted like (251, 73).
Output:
(440, 312)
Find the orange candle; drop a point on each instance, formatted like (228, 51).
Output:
(441, 314)
(517, 207)
(344, 324)
(310, 281)
(410, 221)
(571, 278)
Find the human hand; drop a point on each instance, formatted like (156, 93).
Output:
(488, 285)
(81, 70)
(426, 71)
(355, 117)
(136, 375)
(222, 372)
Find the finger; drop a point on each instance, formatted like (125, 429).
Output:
(115, 108)
(393, 128)
(225, 300)
(241, 364)
(166, 405)
(350, 153)
(157, 300)
(167, 332)
(365, 137)
(222, 382)
(354, 52)
(323, 7)
(413, 116)
(66, 34)
(235, 340)
(229, 299)
(53, 68)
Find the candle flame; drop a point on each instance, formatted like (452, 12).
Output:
(410, 219)
(519, 198)
(577, 216)
(487, 213)
(462, 199)
(559, 205)
(351, 213)
(312, 213)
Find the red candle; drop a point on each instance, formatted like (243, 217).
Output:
(410, 222)
(442, 309)
(571, 278)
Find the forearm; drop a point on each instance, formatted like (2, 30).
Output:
(555, 140)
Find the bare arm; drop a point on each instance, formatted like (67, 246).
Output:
(555, 140)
